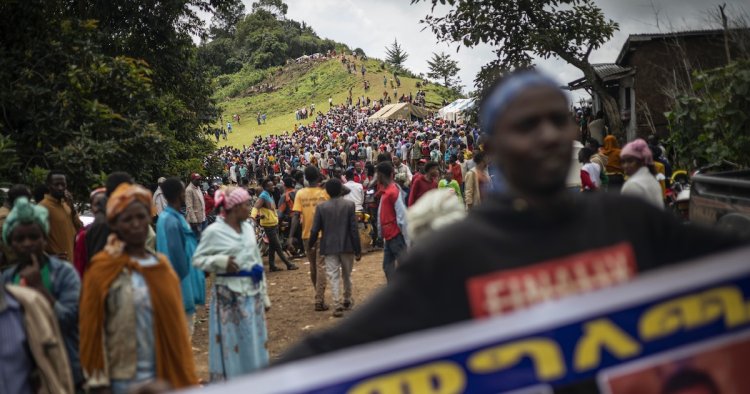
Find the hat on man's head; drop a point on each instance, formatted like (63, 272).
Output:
(195, 176)
(161, 180)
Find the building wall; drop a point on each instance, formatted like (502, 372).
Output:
(663, 66)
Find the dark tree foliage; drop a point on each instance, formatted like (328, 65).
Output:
(276, 7)
(519, 29)
(710, 124)
(263, 38)
(93, 87)
(225, 20)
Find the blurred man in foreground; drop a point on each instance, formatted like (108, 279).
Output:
(463, 271)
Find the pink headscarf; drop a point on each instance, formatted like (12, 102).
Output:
(230, 197)
(638, 149)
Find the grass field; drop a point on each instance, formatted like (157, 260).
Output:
(296, 89)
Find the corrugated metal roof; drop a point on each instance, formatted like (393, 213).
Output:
(678, 33)
(605, 70)
(675, 34)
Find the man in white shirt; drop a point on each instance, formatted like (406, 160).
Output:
(159, 201)
(401, 168)
(233, 173)
(356, 191)
(195, 205)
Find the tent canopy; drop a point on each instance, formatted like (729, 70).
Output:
(399, 111)
(455, 111)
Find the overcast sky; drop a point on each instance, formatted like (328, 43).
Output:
(373, 24)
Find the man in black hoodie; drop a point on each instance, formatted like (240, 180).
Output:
(566, 243)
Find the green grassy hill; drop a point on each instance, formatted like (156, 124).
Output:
(293, 88)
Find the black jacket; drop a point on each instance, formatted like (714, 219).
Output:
(432, 286)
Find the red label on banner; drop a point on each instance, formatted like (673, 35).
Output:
(503, 292)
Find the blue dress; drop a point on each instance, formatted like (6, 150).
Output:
(176, 240)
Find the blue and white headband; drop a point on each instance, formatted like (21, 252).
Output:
(496, 104)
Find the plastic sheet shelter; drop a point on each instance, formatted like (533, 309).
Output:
(456, 111)
(406, 111)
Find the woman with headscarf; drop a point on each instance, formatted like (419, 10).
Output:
(613, 169)
(638, 164)
(80, 253)
(25, 231)
(133, 329)
(239, 297)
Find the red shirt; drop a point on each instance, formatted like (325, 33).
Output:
(209, 203)
(455, 168)
(388, 223)
(419, 186)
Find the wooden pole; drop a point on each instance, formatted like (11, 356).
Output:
(725, 24)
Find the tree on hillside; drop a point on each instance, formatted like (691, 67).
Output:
(444, 68)
(81, 110)
(569, 30)
(276, 7)
(261, 40)
(395, 55)
(225, 19)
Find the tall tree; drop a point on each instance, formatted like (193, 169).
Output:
(161, 33)
(569, 30)
(395, 55)
(276, 7)
(67, 105)
(225, 19)
(444, 68)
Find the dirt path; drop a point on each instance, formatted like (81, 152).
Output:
(292, 316)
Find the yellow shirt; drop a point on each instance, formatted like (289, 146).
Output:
(305, 202)
(270, 217)
(661, 170)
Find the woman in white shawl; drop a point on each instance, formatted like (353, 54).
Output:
(237, 323)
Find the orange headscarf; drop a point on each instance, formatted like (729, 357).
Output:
(174, 358)
(121, 198)
(125, 194)
(612, 151)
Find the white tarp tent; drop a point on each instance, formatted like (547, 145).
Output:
(405, 111)
(455, 111)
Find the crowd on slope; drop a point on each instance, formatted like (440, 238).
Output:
(109, 306)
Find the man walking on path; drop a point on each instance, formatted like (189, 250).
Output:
(159, 201)
(356, 191)
(195, 204)
(340, 243)
(305, 202)
(265, 211)
(176, 240)
(391, 219)
(63, 218)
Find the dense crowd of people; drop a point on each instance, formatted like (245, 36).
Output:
(110, 306)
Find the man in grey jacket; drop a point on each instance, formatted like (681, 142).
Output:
(339, 244)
